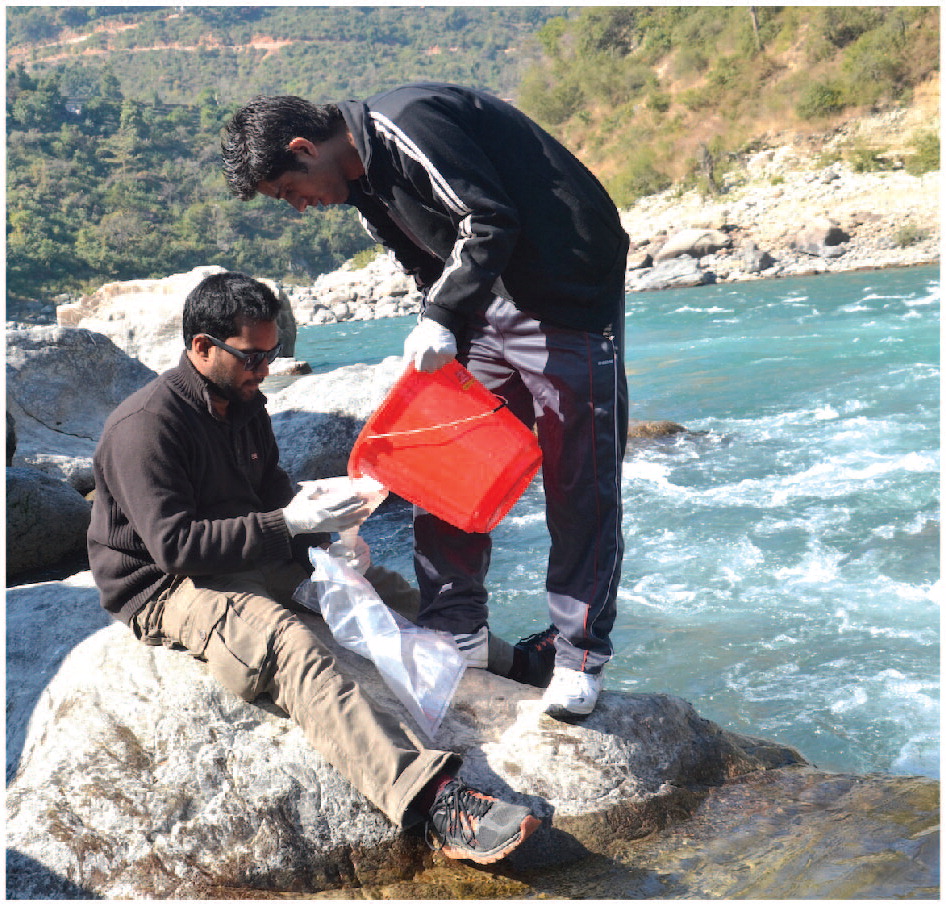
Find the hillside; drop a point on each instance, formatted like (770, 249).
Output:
(171, 54)
(114, 113)
(114, 116)
(654, 96)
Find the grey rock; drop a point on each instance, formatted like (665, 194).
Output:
(678, 273)
(139, 776)
(755, 261)
(317, 418)
(693, 242)
(341, 310)
(47, 520)
(61, 386)
(380, 289)
(143, 317)
(821, 238)
(44, 622)
(397, 285)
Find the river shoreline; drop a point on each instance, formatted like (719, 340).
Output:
(777, 215)
(760, 225)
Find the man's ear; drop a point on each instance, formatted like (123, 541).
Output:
(200, 347)
(303, 146)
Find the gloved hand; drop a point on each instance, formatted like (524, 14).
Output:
(353, 551)
(429, 346)
(318, 508)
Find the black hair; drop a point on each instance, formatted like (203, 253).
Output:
(220, 304)
(255, 142)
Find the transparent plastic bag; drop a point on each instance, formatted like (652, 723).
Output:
(349, 546)
(422, 667)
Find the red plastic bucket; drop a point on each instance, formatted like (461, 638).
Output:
(444, 442)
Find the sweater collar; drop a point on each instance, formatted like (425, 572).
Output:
(193, 386)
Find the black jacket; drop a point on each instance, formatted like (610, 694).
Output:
(475, 200)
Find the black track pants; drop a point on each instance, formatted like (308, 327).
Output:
(572, 387)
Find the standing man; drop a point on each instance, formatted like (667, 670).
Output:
(521, 257)
(191, 545)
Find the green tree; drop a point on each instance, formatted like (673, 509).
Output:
(41, 108)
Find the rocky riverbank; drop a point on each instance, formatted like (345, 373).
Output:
(778, 215)
(791, 209)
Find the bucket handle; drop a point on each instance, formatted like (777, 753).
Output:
(465, 420)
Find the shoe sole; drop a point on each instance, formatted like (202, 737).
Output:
(526, 828)
(564, 714)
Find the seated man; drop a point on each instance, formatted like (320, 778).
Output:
(191, 545)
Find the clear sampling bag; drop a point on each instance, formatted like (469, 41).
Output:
(421, 666)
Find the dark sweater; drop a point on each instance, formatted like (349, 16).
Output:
(178, 491)
(476, 200)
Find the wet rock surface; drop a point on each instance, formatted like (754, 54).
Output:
(786, 834)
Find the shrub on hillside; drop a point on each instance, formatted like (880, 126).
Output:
(689, 61)
(874, 68)
(363, 258)
(925, 158)
(865, 159)
(909, 234)
(639, 178)
(821, 99)
(659, 102)
(549, 103)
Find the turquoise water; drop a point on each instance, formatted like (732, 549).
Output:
(782, 561)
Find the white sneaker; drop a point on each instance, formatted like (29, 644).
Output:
(474, 648)
(571, 693)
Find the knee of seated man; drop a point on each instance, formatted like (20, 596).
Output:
(239, 654)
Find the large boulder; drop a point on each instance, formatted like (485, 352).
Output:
(139, 776)
(682, 272)
(44, 622)
(753, 259)
(317, 418)
(47, 520)
(821, 237)
(694, 242)
(143, 317)
(61, 386)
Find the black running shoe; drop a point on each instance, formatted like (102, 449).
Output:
(534, 658)
(474, 826)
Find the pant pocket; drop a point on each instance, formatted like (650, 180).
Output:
(238, 654)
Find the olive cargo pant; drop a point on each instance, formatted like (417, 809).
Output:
(253, 644)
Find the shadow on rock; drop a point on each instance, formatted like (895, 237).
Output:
(69, 612)
(28, 879)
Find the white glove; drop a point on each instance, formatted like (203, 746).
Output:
(326, 506)
(429, 346)
(353, 551)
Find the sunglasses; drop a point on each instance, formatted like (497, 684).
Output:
(251, 360)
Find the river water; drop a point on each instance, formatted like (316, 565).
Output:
(781, 570)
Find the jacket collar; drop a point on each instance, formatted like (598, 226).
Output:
(355, 114)
(358, 120)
